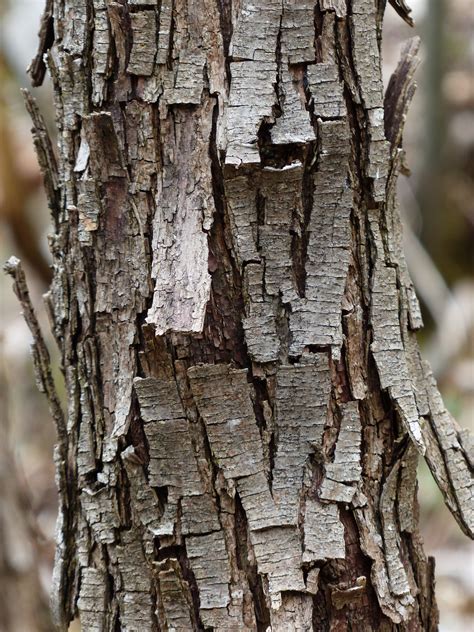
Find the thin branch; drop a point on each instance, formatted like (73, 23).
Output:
(41, 359)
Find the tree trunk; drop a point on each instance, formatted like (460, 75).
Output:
(246, 399)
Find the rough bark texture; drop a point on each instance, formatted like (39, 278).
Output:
(246, 397)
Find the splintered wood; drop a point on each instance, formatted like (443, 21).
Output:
(246, 399)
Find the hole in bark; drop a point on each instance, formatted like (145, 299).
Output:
(272, 449)
(188, 575)
(261, 393)
(318, 349)
(223, 331)
(318, 30)
(117, 624)
(146, 6)
(278, 156)
(320, 611)
(260, 204)
(136, 435)
(162, 494)
(167, 552)
(225, 15)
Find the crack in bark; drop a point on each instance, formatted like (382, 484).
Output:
(299, 246)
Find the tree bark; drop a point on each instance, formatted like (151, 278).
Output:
(246, 399)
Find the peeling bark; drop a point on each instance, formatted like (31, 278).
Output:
(246, 400)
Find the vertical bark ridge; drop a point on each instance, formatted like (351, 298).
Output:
(236, 321)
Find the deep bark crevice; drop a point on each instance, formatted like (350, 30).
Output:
(244, 557)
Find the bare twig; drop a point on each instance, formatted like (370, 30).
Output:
(41, 359)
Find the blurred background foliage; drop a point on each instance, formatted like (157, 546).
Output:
(437, 203)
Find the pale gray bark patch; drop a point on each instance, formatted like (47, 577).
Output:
(189, 57)
(212, 573)
(185, 208)
(313, 319)
(118, 390)
(299, 426)
(265, 246)
(297, 31)
(164, 31)
(387, 347)
(144, 505)
(100, 51)
(92, 600)
(260, 320)
(294, 124)
(416, 370)
(100, 508)
(142, 56)
(255, 30)
(69, 71)
(159, 399)
(170, 444)
(338, 6)
(379, 153)
(75, 38)
(242, 205)
(257, 500)
(312, 585)
(326, 90)
(366, 55)
(134, 591)
(397, 574)
(295, 613)
(173, 591)
(281, 193)
(251, 100)
(344, 473)
(142, 146)
(323, 532)
(89, 209)
(407, 490)
(372, 545)
(222, 395)
(253, 70)
(188, 83)
(278, 554)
